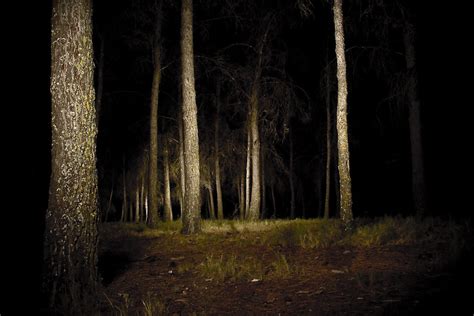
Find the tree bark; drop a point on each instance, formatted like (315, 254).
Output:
(414, 123)
(192, 199)
(70, 253)
(242, 194)
(212, 210)
(137, 203)
(153, 212)
(220, 211)
(181, 162)
(168, 211)
(247, 173)
(100, 83)
(342, 128)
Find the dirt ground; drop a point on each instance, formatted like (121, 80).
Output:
(388, 280)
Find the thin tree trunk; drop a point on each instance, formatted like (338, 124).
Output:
(100, 83)
(168, 212)
(220, 211)
(192, 200)
(70, 248)
(342, 128)
(292, 184)
(414, 123)
(247, 174)
(137, 203)
(153, 214)
(328, 143)
(242, 194)
(142, 193)
(212, 211)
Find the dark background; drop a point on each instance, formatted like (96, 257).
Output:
(445, 69)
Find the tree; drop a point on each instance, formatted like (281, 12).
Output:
(192, 199)
(71, 219)
(153, 152)
(341, 120)
(414, 122)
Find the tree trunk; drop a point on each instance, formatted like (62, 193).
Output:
(212, 210)
(220, 211)
(342, 128)
(255, 195)
(328, 142)
(70, 275)
(153, 212)
(168, 212)
(192, 200)
(181, 162)
(414, 122)
(292, 184)
(100, 83)
(109, 204)
(137, 203)
(247, 173)
(273, 200)
(242, 195)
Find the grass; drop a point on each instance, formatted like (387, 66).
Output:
(222, 264)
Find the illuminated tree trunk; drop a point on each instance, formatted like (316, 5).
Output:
(292, 184)
(255, 195)
(168, 211)
(414, 121)
(220, 211)
(212, 210)
(342, 134)
(70, 275)
(153, 213)
(242, 195)
(192, 199)
(247, 174)
(181, 162)
(100, 83)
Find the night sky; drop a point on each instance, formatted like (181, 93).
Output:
(379, 148)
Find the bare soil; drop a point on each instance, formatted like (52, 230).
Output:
(337, 280)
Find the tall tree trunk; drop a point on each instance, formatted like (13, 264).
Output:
(168, 211)
(342, 134)
(181, 162)
(414, 123)
(247, 173)
(100, 83)
(328, 142)
(220, 210)
(70, 275)
(292, 184)
(153, 212)
(192, 199)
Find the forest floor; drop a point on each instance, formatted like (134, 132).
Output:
(302, 267)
